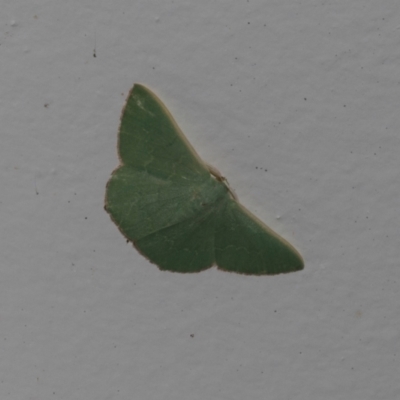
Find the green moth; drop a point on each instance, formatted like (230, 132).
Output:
(179, 212)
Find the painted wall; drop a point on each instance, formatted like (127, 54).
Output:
(297, 104)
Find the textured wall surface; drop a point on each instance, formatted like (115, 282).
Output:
(297, 104)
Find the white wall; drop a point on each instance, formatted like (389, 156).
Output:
(308, 91)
